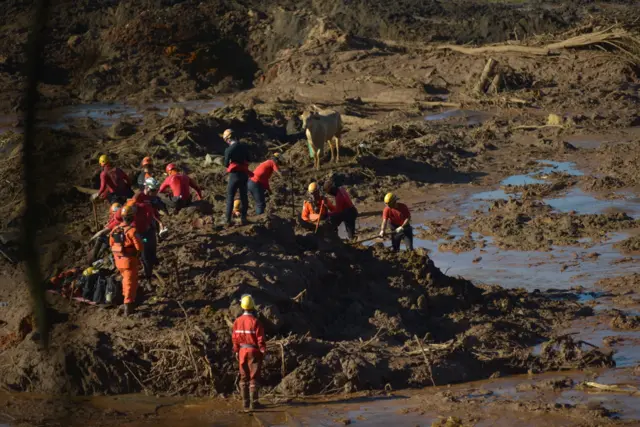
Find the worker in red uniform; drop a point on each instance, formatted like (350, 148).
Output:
(102, 236)
(250, 346)
(115, 185)
(314, 207)
(397, 216)
(126, 246)
(343, 211)
(180, 186)
(258, 185)
(236, 160)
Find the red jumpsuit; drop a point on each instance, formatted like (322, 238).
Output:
(248, 341)
(180, 185)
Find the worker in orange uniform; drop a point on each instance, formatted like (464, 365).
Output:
(127, 248)
(258, 185)
(115, 185)
(397, 216)
(314, 207)
(343, 211)
(102, 236)
(250, 346)
(180, 186)
(147, 223)
(146, 173)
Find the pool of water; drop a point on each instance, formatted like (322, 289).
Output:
(472, 117)
(107, 114)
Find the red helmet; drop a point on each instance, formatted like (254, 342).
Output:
(147, 161)
(170, 167)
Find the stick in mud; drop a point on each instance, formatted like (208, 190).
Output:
(319, 216)
(95, 215)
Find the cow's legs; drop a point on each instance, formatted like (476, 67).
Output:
(330, 142)
(337, 142)
(317, 158)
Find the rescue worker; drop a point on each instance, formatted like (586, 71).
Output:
(126, 244)
(314, 207)
(343, 211)
(258, 185)
(147, 172)
(236, 160)
(250, 346)
(115, 185)
(102, 236)
(147, 223)
(397, 216)
(180, 186)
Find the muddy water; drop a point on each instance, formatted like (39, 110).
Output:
(106, 114)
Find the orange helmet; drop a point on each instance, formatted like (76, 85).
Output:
(170, 167)
(115, 207)
(147, 161)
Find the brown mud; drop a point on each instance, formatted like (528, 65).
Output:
(340, 318)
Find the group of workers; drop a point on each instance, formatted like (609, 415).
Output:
(134, 227)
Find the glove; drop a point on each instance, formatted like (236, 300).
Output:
(163, 233)
(399, 229)
(94, 196)
(381, 234)
(237, 356)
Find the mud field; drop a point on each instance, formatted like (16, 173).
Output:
(519, 161)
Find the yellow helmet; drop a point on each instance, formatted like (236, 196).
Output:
(115, 207)
(390, 198)
(228, 133)
(89, 271)
(103, 160)
(246, 302)
(128, 212)
(313, 187)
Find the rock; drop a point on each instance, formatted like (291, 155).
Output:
(177, 113)
(208, 160)
(121, 129)
(273, 316)
(219, 161)
(157, 82)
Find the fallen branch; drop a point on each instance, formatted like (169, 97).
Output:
(426, 360)
(441, 104)
(534, 127)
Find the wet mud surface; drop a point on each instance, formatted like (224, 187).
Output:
(524, 202)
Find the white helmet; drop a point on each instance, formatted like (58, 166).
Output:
(151, 183)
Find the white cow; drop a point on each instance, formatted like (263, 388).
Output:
(322, 126)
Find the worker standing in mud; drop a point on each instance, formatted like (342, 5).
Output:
(344, 210)
(236, 160)
(180, 186)
(146, 173)
(258, 185)
(126, 245)
(115, 185)
(316, 207)
(397, 216)
(250, 346)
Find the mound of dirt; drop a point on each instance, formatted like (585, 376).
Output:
(366, 335)
(533, 226)
(629, 246)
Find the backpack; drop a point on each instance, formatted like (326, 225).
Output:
(99, 289)
(87, 285)
(113, 288)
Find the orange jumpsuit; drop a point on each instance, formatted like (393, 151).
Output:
(248, 341)
(127, 258)
(310, 213)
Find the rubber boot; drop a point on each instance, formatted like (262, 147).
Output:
(244, 395)
(129, 309)
(254, 395)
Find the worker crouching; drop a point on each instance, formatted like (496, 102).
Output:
(397, 216)
(315, 209)
(250, 346)
(126, 246)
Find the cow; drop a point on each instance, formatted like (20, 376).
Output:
(322, 126)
